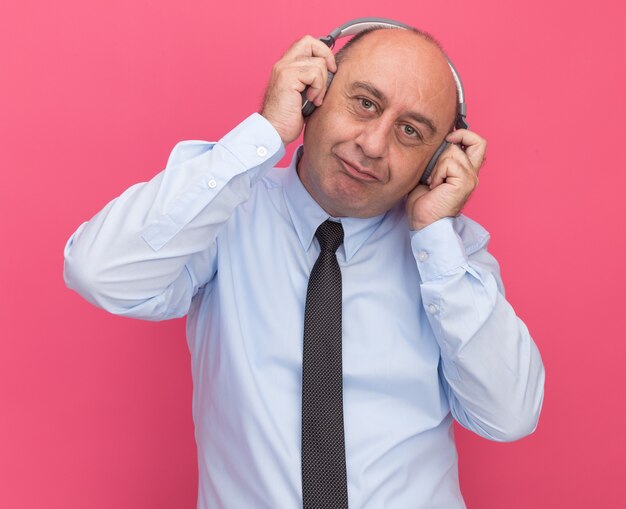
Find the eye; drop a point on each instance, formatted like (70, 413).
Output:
(410, 131)
(366, 103)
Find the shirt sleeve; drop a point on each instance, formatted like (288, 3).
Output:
(491, 369)
(148, 251)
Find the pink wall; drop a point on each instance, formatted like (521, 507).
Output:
(96, 410)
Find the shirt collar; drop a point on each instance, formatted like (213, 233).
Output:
(307, 215)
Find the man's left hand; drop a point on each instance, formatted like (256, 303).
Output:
(451, 183)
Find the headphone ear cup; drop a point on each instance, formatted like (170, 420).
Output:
(307, 106)
(433, 161)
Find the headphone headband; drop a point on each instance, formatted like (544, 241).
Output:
(359, 25)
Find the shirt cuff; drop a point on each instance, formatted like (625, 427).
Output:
(438, 250)
(198, 171)
(254, 142)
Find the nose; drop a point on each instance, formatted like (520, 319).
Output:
(373, 139)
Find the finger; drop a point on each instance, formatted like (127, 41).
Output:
(475, 146)
(463, 158)
(317, 88)
(314, 81)
(459, 180)
(319, 49)
(460, 155)
(464, 137)
(300, 74)
(453, 163)
(309, 46)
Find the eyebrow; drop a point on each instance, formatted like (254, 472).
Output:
(418, 117)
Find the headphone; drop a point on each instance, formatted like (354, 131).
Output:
(359, 25)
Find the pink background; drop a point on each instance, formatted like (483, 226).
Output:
(96, 410)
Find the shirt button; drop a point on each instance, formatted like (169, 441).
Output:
(212, 184)
(422, 256)
(261, 151)
(432, 309)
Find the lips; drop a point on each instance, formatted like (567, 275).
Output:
(360, 173)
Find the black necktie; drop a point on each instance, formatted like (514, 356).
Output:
(324, 481)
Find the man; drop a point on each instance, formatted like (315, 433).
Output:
(223, 237)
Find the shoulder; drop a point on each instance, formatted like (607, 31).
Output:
(274, 178)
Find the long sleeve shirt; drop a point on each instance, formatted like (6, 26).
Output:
(227, 239)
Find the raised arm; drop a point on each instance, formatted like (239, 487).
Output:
(148, 251)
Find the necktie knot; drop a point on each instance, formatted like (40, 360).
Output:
(330, 235)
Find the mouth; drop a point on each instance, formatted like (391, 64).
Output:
(358, 172)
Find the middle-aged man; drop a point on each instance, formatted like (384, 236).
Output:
(422, 330)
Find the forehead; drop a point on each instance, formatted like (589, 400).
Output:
(397, 47)
(405, 66)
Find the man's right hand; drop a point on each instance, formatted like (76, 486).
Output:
(306, 64)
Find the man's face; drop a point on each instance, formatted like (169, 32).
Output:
(390, 105)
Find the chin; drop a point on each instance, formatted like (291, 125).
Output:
(347, 205)
(351, 198)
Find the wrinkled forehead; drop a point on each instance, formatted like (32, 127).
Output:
(405, 66)
(404, 49)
